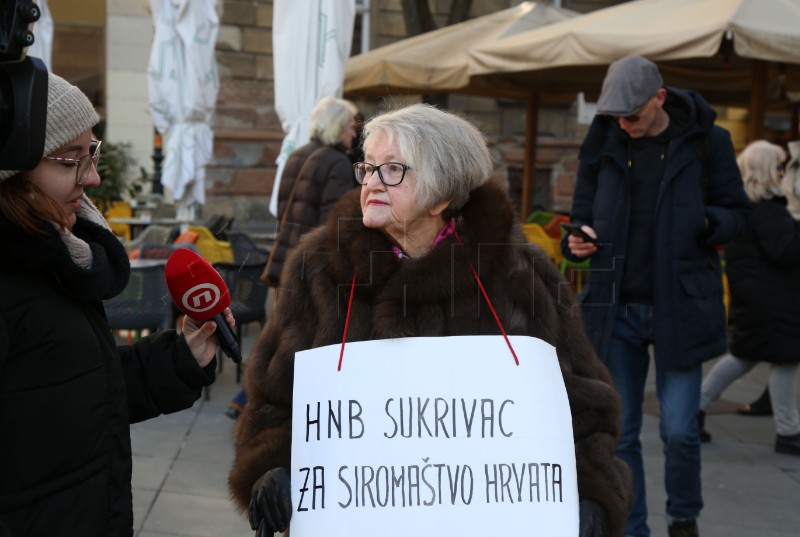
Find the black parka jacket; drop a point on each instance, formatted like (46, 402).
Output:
(763, 268)
(68, 393)
(691, 218)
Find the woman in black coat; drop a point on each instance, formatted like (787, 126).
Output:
(763, 268)
(67, 392)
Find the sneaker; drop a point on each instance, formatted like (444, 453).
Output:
(789, 445)
(232, 411)
(684, 528)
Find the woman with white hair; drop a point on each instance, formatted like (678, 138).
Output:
(314, 178)
(763, 268)
(402, 248)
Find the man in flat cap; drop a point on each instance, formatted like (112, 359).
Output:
(659, 189)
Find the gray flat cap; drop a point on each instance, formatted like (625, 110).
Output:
(629, 84)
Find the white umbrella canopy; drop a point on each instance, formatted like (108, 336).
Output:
(437, 61)
(183, 84)
(310, 47)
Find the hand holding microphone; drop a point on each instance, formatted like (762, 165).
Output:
(198, 336)
(201, 294)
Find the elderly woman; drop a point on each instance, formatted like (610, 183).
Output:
(314, 178)
(68, 392)
(763, 268)
(424, 190)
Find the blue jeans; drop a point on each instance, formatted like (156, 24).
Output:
(678, 394)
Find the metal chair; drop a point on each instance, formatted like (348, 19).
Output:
(144, 304)
(152, 234)
(162, 251)
(245, 250)
(248, 296)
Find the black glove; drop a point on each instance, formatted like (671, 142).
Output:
(593, 520)
(271, 503)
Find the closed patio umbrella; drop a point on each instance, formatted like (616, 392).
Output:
(183, 84)
(311, 43)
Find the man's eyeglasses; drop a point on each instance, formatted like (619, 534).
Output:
(390, 173)
(83, 165)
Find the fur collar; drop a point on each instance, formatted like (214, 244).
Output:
(487, 218)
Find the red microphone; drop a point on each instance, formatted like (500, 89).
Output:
(200, 293)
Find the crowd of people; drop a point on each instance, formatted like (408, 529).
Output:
(398, 211)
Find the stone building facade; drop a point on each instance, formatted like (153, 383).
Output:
(106, 45)
(248, 135)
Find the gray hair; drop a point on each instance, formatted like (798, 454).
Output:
(329, 118)
(759, 164)
(447, 154)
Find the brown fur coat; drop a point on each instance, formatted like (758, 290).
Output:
(435, 295)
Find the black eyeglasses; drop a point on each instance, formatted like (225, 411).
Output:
(83, 165)
(390, 173)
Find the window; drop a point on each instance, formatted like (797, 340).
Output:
(361, 28)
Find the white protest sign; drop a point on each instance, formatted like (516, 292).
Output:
(432, 436)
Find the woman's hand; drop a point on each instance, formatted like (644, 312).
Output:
(580, 247)
(201, 339)
(271, 503)
(593, 520)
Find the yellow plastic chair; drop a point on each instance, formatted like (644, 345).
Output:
(726, 291)
(537, 235)
(120, 209)
(212, 249)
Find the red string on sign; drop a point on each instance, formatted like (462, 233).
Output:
(480, 285)
(347, 319)
(489, 302)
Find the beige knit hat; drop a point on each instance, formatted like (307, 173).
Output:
(69, 114)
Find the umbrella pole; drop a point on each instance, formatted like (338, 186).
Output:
(758, 95)
(529, 172)
(158, 157)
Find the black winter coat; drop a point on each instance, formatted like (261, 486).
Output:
(690, 219)
(68, 394)
(763, 268)
(434, 295)
(323, 175)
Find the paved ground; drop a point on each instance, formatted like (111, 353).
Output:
(181, 464)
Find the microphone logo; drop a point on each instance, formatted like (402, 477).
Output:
(201, 298)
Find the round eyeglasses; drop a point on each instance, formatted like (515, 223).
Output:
(390, 173)
(83, 165)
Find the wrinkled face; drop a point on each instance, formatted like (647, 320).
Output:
(648, 120)
(58, 179)
(392, 209)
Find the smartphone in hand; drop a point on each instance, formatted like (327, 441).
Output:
(575, 229)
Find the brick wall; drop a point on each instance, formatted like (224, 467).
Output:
(247, 133)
